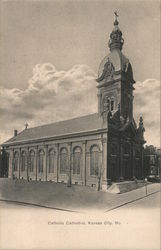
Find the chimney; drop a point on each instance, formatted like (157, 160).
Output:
(15, 132)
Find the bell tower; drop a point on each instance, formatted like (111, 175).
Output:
(115, 79)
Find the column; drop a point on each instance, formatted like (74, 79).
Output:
(104, 164)
(36, 160)
(84, 163)
(19, 163)
(69, 170)
(27, 164)
(45, 170)
(109, 170)
(10, 170)
(121, 161)
(57, 162)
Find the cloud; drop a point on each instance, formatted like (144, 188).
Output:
(147, 104)
(51, 95)
(54, 95)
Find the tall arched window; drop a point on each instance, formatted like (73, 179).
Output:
(109, 103)
(112, 104)
(31, 161)
(41, 161)
(15, 161)
(63, 160)
(23, 161)
(76, 160)
(94, 160)
(51, 161)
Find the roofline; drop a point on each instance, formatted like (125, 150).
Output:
(62, 136)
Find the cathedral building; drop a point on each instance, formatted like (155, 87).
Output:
(103, 147)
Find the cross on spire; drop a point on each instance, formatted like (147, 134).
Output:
(116, 15)
(26, 125)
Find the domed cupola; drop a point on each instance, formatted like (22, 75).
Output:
(115, 78)
(116, 41)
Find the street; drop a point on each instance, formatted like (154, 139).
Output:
(133, 225)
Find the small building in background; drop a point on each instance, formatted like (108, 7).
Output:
(152, 160)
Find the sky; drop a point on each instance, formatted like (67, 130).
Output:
(50, 55)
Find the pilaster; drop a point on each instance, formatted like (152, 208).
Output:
(45, 169)
(10, 170)
(36, 160)
(57, 161)
(121, 162)
(104, 164)
(69, 170)
(27, 164)
(84, 163)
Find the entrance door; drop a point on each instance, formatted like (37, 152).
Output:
(114, 169)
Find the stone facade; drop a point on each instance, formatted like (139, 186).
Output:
(44, 161)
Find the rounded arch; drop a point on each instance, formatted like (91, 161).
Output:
(77, 156)
(94, 160)
(77, 149)
(23, 152)
(51, 151)
(112, 103)
(41, 160)
(15, 160)
(31, 160)
(16, 154)
(41, 152)
(32, 152)
(63, 160)
(51, 155)
(94, 147)
(63, 150)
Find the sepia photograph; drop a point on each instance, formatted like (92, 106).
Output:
(80, 146)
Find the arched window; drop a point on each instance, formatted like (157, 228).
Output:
(108, 103)
(76, 160)
(23, 161)
(15, 161)
(112, 104)
(41, 161)
(51, 161)
(63, 160)
(31, 161)
(94, 160)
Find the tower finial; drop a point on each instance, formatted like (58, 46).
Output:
(116, 41)
(116, 16)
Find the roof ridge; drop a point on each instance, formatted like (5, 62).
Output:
(74, 118)
(63, 127)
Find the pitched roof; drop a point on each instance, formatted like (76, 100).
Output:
(76, 125)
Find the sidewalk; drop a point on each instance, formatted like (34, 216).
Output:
(75, 198)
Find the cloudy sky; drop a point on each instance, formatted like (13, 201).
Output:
(50, 54)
